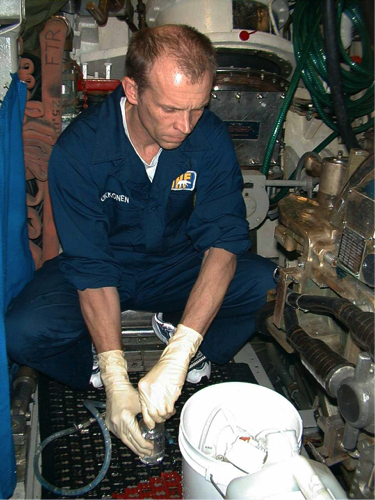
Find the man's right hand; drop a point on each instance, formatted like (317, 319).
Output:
(122, 402)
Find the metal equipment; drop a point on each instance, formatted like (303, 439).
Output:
(324, 308)
(24, 387)
(248, 101)
(322, 233)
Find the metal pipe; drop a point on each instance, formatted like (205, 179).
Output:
(24, 387)
(350, 438)
(288, 183)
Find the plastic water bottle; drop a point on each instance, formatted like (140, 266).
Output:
(157, 437)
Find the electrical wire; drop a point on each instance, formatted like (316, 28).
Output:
(92, 407)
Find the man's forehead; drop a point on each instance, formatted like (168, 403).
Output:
(164, 65)
(173, 89)
(179, 98)
(168, 72)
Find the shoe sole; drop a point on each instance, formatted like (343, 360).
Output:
(195, 376)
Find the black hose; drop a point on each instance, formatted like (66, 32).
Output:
(334, 74)
(304, 382)
(367, 7)
(360, 324)
(319, 359)
(261, 317)
(261, 327)
(290, 318)
(291, 385)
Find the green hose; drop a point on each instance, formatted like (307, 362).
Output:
(309, 52)
(326, 141)
(357, 79)
(289, 94)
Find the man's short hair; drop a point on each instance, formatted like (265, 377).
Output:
(193, 52)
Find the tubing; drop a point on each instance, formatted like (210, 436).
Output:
(92, 407)
(360, 324)
(289, 94)
(326, 141)
(286, 183)
(320, 360)
(263, 313)
(359, 78)
(367, 7)
(311, 65)
(291, 385)
(334, 74)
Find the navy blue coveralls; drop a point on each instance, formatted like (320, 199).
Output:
(117, 229)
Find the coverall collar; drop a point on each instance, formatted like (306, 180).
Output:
(106, 148)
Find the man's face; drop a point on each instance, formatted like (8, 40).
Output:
(170, 107)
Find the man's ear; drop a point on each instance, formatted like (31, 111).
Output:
(130, 89)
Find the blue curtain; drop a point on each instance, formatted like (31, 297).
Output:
(16, 264)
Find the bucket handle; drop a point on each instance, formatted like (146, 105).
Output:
(216, 486)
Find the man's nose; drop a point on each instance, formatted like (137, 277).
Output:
(183, 123)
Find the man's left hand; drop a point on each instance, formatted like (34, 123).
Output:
(161, 387)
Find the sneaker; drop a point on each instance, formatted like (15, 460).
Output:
(163, 330)
(199, 366)
(95, 379)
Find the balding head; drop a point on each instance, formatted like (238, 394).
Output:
(192, 51)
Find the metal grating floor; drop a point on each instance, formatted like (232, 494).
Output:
(74, 461)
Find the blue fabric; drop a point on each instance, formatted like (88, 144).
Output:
(16, 265)
(105, 207)
(147, 239)
(45, 328)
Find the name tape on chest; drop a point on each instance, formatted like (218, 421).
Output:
(114, 196)
(185, 182)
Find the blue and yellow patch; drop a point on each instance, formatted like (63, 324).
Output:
(185, 182)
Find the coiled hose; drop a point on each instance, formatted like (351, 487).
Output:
(92, 407)
(358, 78)
(311, 65)
(334, 75)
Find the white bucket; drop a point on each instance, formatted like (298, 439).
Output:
(254, 408)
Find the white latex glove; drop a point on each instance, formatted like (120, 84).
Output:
(122, 402)
(161, 387)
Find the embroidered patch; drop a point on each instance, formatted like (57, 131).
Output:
(185, 182)
(118, 197)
